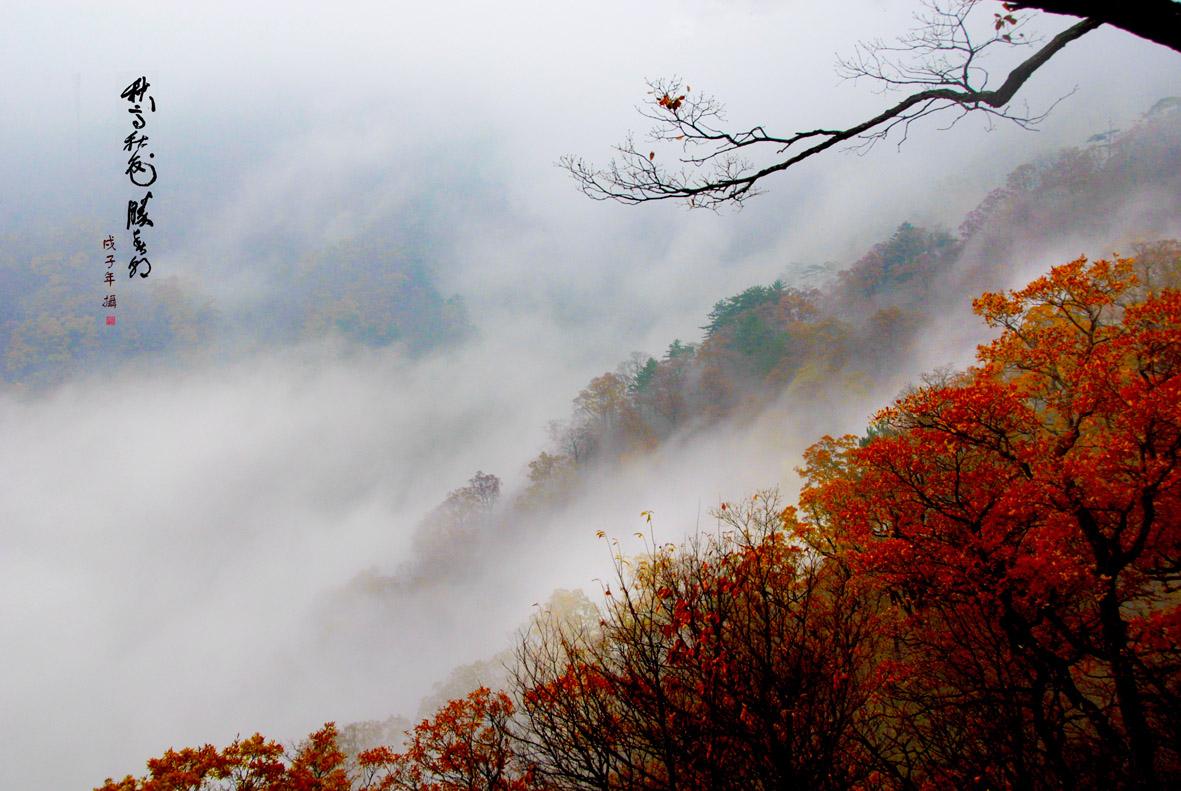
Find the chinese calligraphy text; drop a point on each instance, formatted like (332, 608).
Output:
(142, 173)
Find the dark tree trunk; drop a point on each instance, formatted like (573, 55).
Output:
(1156, 20)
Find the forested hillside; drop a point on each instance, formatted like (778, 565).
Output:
(979, 591)
(51, 309)
(782, 344)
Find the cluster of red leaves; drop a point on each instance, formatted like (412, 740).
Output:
(253, 763)
(669, 103)
(1005, 20)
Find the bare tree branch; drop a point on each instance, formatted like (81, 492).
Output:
(942, 57)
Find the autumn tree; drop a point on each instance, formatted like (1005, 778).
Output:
(467, 744)
(1026, 517)
(461, 518)
(751, 333)
(898, 270)
(601, 403)
(942, 66)
(251, 764)
(732, 661)
(1158, 264)
(470, 503)
(551, 479)
(663, 398)
(605, 420)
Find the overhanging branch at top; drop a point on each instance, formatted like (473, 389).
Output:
(941, 62)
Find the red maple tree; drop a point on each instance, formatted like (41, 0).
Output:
(1025, 518)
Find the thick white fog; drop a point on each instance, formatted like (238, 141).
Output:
(178, 538)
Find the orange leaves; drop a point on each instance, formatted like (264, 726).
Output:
(254, 763)
(715, 664)
(1021, 513)
(669, 103)
(319, 764)
(466, 744)
(1071, 289)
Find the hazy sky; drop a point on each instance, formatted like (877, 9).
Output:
(169, 537)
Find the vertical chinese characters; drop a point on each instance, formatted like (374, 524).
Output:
(109, 278)
(142, 173)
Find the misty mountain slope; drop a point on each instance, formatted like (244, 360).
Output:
(51, 316)
(779, 347)
(776, 367)
(970, 489)
(184, 510)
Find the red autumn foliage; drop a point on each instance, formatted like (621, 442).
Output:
(251, 764)
(1025, 518)
(467, 745)
(732, 661)
(670, 103)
